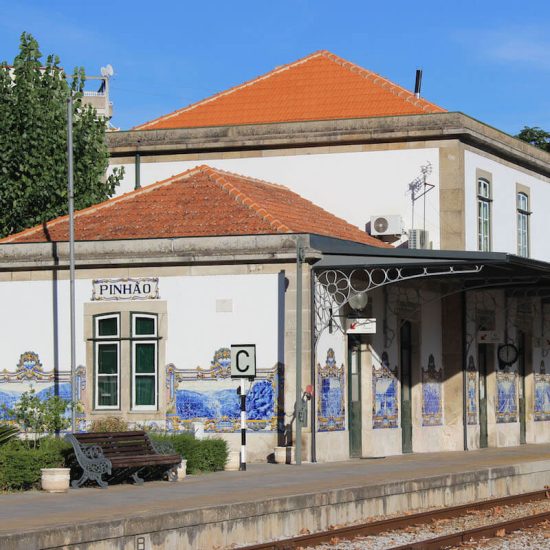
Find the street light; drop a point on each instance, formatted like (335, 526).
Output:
(70, 185)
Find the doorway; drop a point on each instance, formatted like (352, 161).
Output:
(406, 390)
(484, 354)
(521, 386)
(354, 396)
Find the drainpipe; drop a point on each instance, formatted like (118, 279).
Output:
(298, 411)
(464, 373)
(313, 355)
(138, 171)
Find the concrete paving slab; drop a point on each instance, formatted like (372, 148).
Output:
(264, 489)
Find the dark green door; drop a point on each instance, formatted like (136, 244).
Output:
(483, 358)
(406, 406)
(354, 397)
(521, 386)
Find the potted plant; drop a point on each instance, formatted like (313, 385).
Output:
(36, 418)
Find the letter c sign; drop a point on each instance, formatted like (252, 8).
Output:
(243, 361)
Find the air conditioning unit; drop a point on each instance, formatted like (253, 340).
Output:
(419, 238)
(386, 225)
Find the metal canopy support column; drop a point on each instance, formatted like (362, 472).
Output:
(298, 405)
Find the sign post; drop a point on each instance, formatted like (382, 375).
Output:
(242, 461)
(243, 366)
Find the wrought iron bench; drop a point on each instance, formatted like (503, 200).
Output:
(124, 453)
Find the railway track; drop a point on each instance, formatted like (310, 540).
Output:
(387, 525)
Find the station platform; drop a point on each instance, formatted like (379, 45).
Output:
(266, 502)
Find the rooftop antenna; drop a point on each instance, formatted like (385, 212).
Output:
(418, 83)
(107, 71)
(419, 188)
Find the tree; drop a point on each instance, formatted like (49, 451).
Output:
(536, 136)
(33, 142)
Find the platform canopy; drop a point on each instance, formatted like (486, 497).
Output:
(347, 268)
(494, 267)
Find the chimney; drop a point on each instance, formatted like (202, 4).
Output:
(418, 83)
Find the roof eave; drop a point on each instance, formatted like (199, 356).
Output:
(371, 130)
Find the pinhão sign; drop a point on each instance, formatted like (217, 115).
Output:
(131, 288)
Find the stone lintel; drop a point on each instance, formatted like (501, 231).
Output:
(176, 251)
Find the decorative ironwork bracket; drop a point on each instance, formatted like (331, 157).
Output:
(333, 288)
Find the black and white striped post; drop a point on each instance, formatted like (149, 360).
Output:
(242, 462)
(243, 366)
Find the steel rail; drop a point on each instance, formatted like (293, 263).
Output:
(485, 532)
(391, 524)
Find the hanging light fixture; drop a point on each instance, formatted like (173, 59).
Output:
(359, 300)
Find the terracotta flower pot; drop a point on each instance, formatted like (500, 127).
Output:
(55, 480)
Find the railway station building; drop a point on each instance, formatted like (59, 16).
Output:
(405, 350)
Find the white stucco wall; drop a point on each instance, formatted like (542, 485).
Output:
(195, 329)
(353, 185)
(503, 207)
(28, 323)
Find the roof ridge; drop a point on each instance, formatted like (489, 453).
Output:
(219, 177)
(249, 178)
(104, 204)
(233, 89)
(388, 85)
(229, 187)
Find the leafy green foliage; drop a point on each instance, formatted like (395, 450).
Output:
(36, 417)
(536, 136)
(7, 432)
(202, 455)
(33, 142)
(109, 424)
(20, 465)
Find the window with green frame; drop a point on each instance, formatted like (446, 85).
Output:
(483, 215)
(144, 361)
(107, 361)
(522, 204)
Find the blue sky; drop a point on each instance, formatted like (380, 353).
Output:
(489, 59)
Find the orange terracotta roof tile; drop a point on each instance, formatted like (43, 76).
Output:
(199, 202)
(321, 86)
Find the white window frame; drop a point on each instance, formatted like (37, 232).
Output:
(106, 340)
(523, 213)
(144, 339)
(483, 214)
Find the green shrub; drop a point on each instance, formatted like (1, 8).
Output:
(109, 424)
(20, 465)
(202, 455)
(209, 456)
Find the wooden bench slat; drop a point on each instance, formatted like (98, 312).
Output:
(152, 460)
(137, 433)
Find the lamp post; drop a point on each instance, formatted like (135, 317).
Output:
(70, 194)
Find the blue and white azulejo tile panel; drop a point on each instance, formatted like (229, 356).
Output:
(542, 394)
(331, 397)
(384, 394)
(507, 410)
(29, 373)
(471, 392)
(209, 396)
(432, 402)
